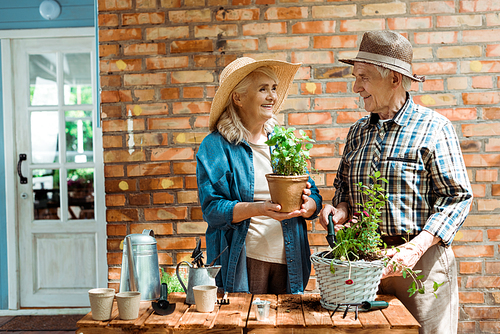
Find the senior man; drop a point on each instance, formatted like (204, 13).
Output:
(418, 152)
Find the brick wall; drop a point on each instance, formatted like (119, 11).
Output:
(160, 61)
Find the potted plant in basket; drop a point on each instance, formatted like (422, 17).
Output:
(351, 270)
(289, 162)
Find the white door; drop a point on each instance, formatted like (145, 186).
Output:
(60, 208)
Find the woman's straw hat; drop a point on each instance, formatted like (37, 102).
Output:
(233, 73)
(387, 49)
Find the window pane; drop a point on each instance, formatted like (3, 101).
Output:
(44, 137)
(46, 200)
(77, 79)
(79, 136)
(43, 82)
(81, 193)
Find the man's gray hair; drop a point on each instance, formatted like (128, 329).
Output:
(384, 72)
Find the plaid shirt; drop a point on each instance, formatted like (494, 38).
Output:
(418, 152)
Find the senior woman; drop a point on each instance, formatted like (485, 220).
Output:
(268, 251)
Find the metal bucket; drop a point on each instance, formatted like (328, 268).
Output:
(140, 272)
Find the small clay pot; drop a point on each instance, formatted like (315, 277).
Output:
(287, 190)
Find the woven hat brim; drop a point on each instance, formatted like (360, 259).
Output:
(285, 72)
(385, 65)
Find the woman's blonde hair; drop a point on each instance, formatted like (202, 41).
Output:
(230, 125)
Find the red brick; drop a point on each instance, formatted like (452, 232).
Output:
(170, 3)
(115, 200)
(327, 134)
(474, 251)
(144, 79)
(283, 43)
(489, 326)
(384, 9)
(113, 171)
(486, 175)
(163, 198)
(432, 7)
(169, 93)
(461, 21)
(492, 268)
(110, 81)
(108, 50)
(478, 36)
(110, 5)
(119, 215)
(342, 41)
(436, 84)
(362, 25)
(192, 46)
(445, 37)
(188, 137)
(482, 129)
(160, 183)
(469, 236)
(494, 235)
(143, 18)
(309, 118)
(159, 229)
(120, 65)
(123, 156)
(314, 27)
(336, 103)
(435, 68)
(108, 20)
(458, 114)
(174, 153)
(478, 6)
(409, 23)
(316, 57)
(193, 92)
(286, 13)
(264, 28)
(471, 297)
(239, 45)
(323, 12)
(114, 35)
(248, 14)
(148, 169)
(190, 16)
(176, 243)
(349, 117)
(168, 213)
(191, 107)
(470, 267)
(465, 327)
(481, 98)
(167, 32)
(322, 150)
(483, 282)
(140, 199)
(310, 88)
(144, 49)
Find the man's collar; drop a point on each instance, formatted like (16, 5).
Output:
(401, 118)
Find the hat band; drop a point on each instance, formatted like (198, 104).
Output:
(384, 59)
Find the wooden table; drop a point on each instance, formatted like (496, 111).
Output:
(288, 314)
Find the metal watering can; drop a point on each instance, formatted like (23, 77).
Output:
(140, 268)
(197, 276)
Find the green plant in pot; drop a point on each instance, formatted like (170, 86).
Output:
(289, 162)
(354, 264)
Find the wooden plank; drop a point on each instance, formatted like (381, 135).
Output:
(195, 319)
(234, 314)
(315, 315)
(87, 320)
(348, 321)
(156, 320)
(290, 312)
(145, 310)
(271, 320)
(333, 330)
(397, 314)
(373, 319)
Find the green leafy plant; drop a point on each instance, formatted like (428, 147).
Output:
(290, 153)
(173, 283)
(360, 238)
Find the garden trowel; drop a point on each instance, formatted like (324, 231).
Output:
(162, 306)
(331, 232)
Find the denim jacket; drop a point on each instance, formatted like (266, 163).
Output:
(225, 176)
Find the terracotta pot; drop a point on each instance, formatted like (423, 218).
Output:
(287, 190)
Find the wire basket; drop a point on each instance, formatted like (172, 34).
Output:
(333, 288)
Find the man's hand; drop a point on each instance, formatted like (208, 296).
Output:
(408, 254)
(340, 215)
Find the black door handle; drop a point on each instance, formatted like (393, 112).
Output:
(22, 157)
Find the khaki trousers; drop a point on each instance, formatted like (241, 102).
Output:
(435, 315)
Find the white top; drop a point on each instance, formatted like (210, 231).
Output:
(264, 239)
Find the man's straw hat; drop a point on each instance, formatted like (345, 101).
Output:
(387, 49)
(233, 73)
